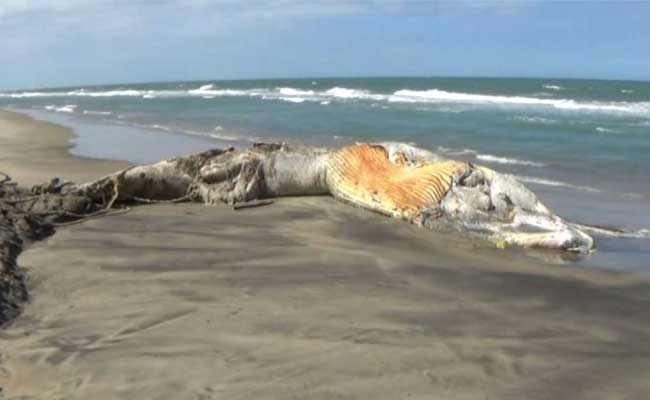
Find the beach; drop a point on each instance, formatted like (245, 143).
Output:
(34, 152)
(306, 298)
(580, 145)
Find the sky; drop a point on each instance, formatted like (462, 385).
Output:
(47, 43)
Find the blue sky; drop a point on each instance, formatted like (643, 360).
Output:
(76, 42)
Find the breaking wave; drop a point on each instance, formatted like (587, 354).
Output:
(606, 130)
(227, 138)
(553, 87)
(345, 93)
(292, 99)
(70, 108)
(218, 132)
(91, 112)
(297, 95)
(442, 96)
(504, 160)
(287, 91)
(548, 182)
(161, 128)
(535, 120)
(455, 152)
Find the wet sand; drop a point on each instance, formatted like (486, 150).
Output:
(33, 151)
(308, 299)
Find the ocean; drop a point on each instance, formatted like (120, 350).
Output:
(582, 145)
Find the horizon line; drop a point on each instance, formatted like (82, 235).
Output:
(328, 77)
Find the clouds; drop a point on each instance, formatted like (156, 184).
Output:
(199, 17)
(49, 22)
(14, 9)
(53, 42)
(70, 42)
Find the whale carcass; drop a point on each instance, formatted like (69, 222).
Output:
(394, 179)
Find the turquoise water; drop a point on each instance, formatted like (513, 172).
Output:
(582, 145)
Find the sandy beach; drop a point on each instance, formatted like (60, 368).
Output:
(34, 151)
(303, 299)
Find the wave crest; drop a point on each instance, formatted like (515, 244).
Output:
(429, 96)
(606, 130)
(69, 108)
(548, 182)
(504, 160)
(535, 120)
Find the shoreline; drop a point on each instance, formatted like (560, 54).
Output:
(32, 163)
(104, 140)
(305, 298)
(54, 144)
(96, 138)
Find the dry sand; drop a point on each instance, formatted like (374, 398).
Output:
(305, 299)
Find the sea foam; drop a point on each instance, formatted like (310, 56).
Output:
(293, 99)
(430, 96)
(456, 152)
(535, 120)
(504, 160)
(288, 91)
(69, 108)
(606, 130)
(227, 138)
(442, 96)
(91, 112)
(345, 93)
(548, 182)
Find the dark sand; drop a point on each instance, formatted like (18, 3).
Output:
(308, 299)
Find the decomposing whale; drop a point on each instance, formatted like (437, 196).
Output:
(393, 179)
